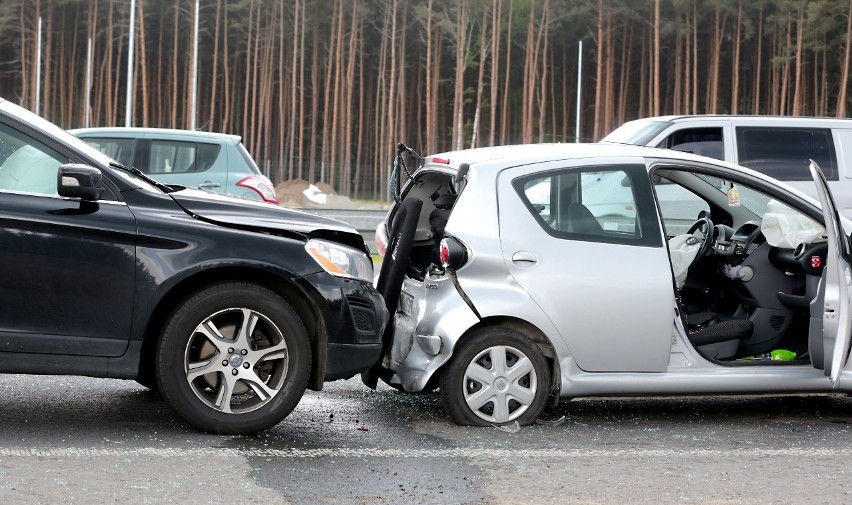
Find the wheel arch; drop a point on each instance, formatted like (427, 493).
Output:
(286, 288)
(530, 331)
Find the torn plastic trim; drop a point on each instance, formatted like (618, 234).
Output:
(463, 295)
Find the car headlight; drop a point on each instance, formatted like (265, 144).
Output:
(340, 260)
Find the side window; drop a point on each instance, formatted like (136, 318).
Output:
(783, 153)
(679, 207)
(702, 141)
(169, 156)
(121, 150)
(27, 165)
(608, 196)
(612, 205)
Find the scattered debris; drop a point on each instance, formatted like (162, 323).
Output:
(509, 428)
(554, 422)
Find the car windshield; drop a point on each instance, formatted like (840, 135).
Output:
(638, 132)
(754, 201)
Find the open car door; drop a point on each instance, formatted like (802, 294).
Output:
(836, 313)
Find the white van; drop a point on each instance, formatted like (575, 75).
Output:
(776, 146)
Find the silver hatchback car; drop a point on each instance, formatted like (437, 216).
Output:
(522, 274)
(215, 162)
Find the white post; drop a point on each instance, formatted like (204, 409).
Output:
(579, 84)
(128, 107)
(38, 71)
(194, 69)
(87, 112)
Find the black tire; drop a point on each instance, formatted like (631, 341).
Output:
(515, 394)
(241, 384)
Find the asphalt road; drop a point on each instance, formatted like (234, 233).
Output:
(78, 440)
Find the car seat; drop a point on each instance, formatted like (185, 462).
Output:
(581, 220)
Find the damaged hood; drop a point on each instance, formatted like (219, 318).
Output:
(238, 212)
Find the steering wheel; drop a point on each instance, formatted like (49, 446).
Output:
(705, 225)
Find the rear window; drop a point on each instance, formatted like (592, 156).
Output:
(784, 153)
(248, 159)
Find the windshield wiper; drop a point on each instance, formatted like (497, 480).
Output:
(142, 175)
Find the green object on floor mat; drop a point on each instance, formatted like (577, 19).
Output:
(776, 355)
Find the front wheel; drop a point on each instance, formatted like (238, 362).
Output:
(234, 359)
(497, 376)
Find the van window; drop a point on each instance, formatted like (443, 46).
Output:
(784, 153)
(701, 141)
(169, 156)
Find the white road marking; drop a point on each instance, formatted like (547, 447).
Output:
(82, 452)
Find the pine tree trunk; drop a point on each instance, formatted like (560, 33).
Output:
(735, 68)
(799, 82)
(480, 81)
(844, 73)
(759, 60)
(504, 123)
(599, 65)
(657, 50)
(496, 31)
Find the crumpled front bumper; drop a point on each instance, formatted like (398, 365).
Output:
(353, 316)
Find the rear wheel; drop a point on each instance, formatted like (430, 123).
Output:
(497, 376)
(234, 358)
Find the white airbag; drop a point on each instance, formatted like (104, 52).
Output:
(682, 254)
(786, 228)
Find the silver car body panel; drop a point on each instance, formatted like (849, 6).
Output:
(600, 351)
(570, 277)
(412, 355)
(837, 281)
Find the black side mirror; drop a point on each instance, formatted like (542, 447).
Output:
(76, 180)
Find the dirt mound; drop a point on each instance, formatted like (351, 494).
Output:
(291, 193)
(325, 188)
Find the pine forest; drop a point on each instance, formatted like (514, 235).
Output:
(323, 90)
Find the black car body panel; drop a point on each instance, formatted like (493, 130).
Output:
(88, 285)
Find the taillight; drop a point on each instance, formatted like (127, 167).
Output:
(261, 187)
(452, 253)
(382, 239)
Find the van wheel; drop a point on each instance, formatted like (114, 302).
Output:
(234, 359)
(497, 376)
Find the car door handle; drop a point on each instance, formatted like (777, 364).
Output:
(210, 184)
(525, 257)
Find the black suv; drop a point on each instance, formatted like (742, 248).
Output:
(229, 308)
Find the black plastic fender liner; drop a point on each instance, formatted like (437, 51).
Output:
(394, 265)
